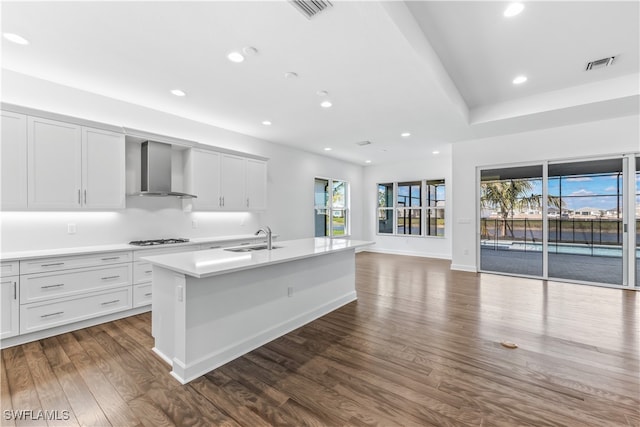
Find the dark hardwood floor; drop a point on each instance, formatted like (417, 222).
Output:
(421, 346)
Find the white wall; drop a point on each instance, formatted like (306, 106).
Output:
(594, 139)
(291, 175)
(420, 167)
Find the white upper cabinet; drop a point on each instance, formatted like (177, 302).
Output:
(256, 184)
(202, 178)
(232, 183)
(103, 169)
(54, 164)
(13, 153)
(72, 167)
(225, 181)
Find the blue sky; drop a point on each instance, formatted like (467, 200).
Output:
(584, 191)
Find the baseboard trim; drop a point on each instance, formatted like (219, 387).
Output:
(408, 253)
(463, 267)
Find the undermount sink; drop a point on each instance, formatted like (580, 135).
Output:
(251, 248)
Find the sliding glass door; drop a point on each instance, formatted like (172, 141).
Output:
(563, 220)
(637, 219)
(511, 220)
(586, 230)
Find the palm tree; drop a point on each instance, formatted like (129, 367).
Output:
(508, 195)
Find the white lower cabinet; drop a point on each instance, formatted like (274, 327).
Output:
(62, 290)
(48, 314)
(10, 302)
(44, 286)
(142, 294)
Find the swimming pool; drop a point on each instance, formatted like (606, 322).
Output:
(555, 248)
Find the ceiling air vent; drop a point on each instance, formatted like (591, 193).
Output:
(363, 143)
(600, 63)
(311, 8)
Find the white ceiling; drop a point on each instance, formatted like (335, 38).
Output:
(439, 70)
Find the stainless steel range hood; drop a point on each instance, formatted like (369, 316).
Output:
(156, 171)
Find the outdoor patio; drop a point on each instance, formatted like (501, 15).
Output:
(598, 269)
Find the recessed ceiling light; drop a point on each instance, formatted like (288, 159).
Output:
(322, 93)
(326, 104)
(405, 134)
(513, 9)
(435, 152)
(266, 123)
(250, 50)
(327, 149)
(291, 75)
(367, 161)
(178, 92)
(519, 80)
(14, 38)
(235, 57)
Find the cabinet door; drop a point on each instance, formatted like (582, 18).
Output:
(256, 186)
(54, 164)
(205, 179)
(232, 183)
(103, 169)
(14, 160)
(9, 311)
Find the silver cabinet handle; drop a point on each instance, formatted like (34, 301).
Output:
(148, 271)
(247, 202)
(52, 314)
(109, 277)
(79, 202)
(85, 197)
(52, 286)
(147, 295)
(51, 265)
(220, 201)
(15, 290)
(110, 258)
(111, 302)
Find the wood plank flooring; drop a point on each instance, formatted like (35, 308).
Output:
(420, 347)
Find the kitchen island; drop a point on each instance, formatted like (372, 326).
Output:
(210, 307)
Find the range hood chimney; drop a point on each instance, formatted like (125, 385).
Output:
(156, 171)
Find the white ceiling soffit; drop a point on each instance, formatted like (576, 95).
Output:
(551, 42)
(441, 71)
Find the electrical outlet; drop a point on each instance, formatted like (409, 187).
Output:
(71, 229)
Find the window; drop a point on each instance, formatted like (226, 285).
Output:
(331, 208)
(385, 208)
(409, 208)
(435, 208)
(413, 208)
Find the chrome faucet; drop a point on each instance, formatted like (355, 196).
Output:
(267, 231)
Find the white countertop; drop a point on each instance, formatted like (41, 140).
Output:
(42, 253)
(219, 261)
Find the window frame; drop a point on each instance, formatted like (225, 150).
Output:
(424, 207)
(330, 209)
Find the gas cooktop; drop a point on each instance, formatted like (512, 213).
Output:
(157, 242)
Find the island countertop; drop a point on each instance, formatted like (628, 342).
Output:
(222, 261)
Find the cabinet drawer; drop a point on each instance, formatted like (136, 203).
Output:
(141, 295)
(10, 268)
(142, 272)
(43, 315)
(161, 251)
(44, 286)
(64, 263)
